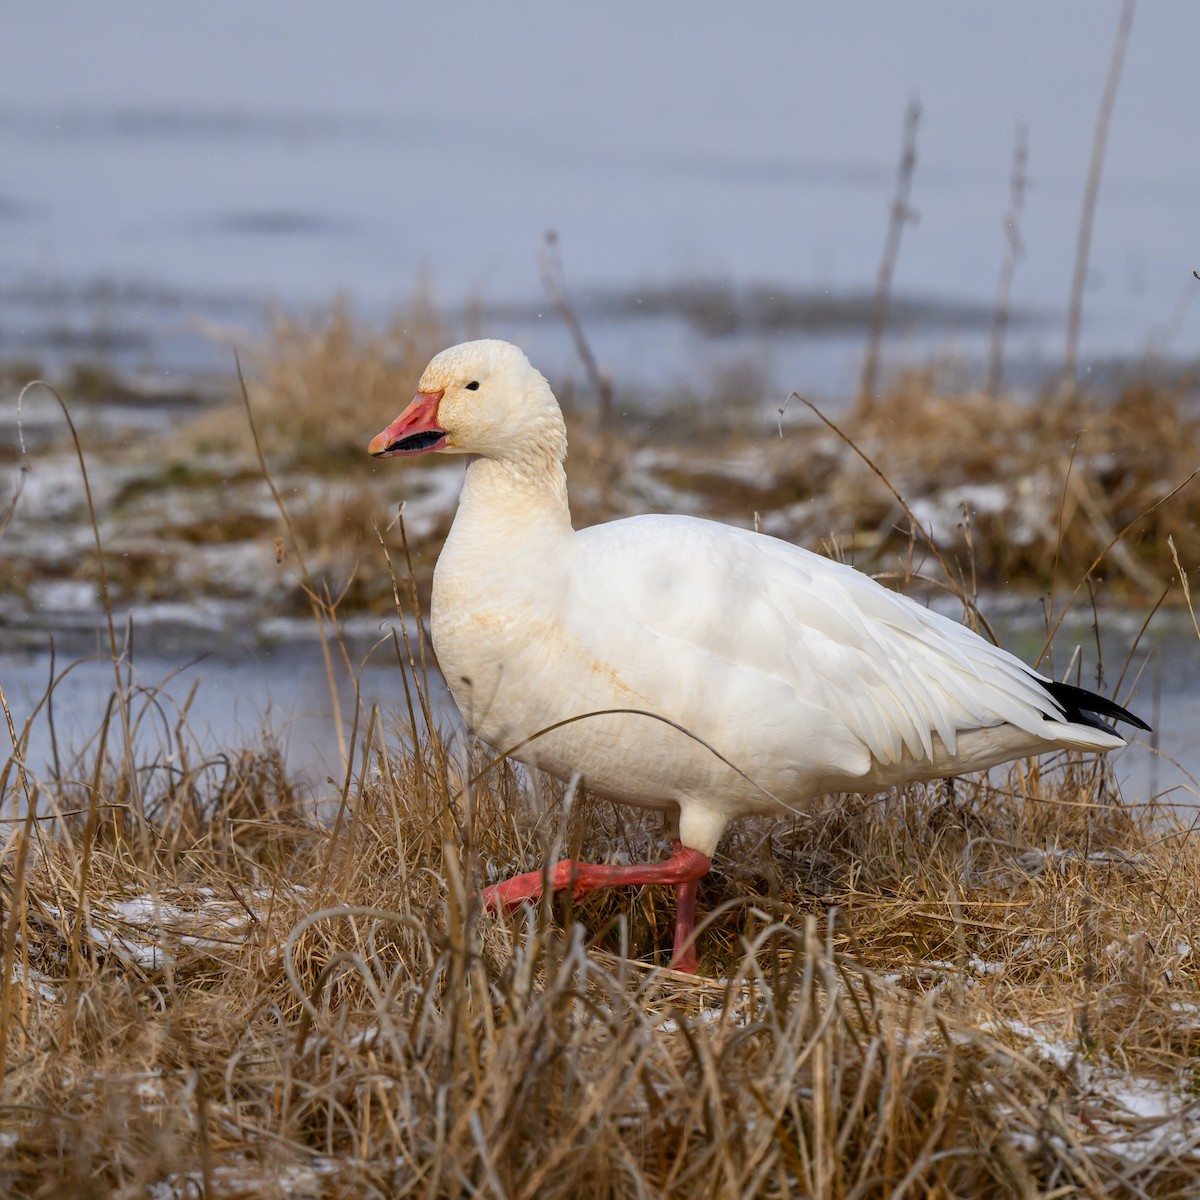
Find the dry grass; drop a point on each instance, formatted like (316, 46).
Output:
(219, 981)
(319, 382)
(1046, 489)
(947, 992)
(1012, 493)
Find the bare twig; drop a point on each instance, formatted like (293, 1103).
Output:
(901, 215)
(1116, 537)
(321, 611)
(956, 585)
(1091, 193)
(1014, 251)
(7, 515)
(1183, 579)
(554, 281)
(93, 520)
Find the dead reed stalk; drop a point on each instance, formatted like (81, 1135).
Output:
(901, 214)
(550, 266)
(1014, 249)
(1091, 195)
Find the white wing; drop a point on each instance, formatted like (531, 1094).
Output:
(708, 621)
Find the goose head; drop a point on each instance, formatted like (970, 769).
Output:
(481, 398)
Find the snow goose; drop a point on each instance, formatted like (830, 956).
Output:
(730, 673)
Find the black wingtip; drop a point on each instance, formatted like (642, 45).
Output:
(1085, 708)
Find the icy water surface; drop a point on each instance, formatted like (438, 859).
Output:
(166, 169)
(228, 689)
(239, 685)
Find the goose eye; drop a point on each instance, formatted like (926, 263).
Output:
(473, 386)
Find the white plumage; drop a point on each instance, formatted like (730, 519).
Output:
(792, 675)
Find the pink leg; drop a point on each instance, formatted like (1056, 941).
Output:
(684, 956)
(682, 869)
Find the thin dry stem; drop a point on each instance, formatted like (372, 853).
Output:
(901, 214)
(1013, 251)
(1091, 195)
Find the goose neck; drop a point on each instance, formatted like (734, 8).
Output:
(523, 490)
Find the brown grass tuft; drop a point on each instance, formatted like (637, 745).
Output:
(221, 981)
(1028, 493)
(984, 990)
(319, 382)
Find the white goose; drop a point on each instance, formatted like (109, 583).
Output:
(760, 675)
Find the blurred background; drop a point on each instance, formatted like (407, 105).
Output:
(720, 179)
